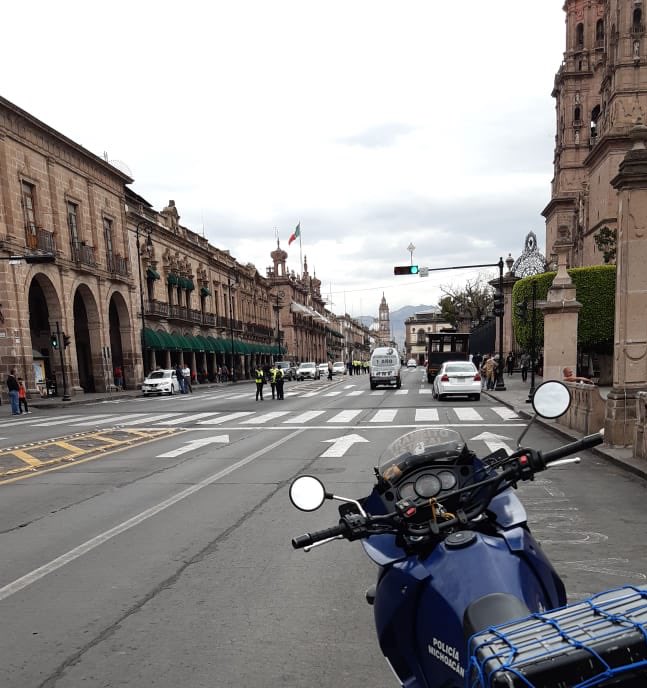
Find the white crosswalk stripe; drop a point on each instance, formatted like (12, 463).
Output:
(356, 393)
(186, 419)
(424, 390)
(61, 420)
(465, 413)
(384, 416)
(226, 418)
(332, 394)
(504, 412)
(378, 393)
(426, 415)
(111, 419)
(345, 416)
(147, 419)
(304, 417)
(402, 391)
(265, 418)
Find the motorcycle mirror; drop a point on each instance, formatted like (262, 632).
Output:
(307, 493)
(551, 399)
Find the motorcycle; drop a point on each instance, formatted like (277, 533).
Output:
(465, 596)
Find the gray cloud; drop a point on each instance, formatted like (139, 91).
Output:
(380, 136)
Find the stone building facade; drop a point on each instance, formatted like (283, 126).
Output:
(416, 328)
(101, 279)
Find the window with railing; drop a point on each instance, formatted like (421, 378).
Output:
(29, 211)
(107, 238)
(73, 223)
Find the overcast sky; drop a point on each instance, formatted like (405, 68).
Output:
(374, 124)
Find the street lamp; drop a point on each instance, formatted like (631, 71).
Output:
(231, 281)
(143, 227)
(533, 344)
(277, 308)
(500, 386)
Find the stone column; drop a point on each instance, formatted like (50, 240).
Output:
(560, 314)
(630, 337)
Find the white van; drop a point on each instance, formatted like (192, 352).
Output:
(385, 367)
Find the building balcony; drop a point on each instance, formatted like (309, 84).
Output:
(39, 239)
(84, 255)
(118, 265)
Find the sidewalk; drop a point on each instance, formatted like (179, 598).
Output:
(515, 395)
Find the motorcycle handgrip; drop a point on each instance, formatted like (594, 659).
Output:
(572, 448)
(311, 538)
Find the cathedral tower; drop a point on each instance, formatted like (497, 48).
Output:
(384, 324)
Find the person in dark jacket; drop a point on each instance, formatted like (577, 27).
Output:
(13, 387)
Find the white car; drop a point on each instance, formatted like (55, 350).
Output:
(457, 378)
(161, 382)
(308, 371)
(323, 370)
(339, 368)
(411, 363)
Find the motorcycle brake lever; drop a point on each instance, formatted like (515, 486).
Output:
(322, 542)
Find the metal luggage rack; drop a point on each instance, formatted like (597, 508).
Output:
(601, 641)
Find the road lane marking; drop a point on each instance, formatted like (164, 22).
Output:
(304, 417)
(467, 413)
(356, 393)
(185, 419)
(225, 418)
(332, 394)
(402, 391)
(504, 412)
(111, 419)
(384, 416)
(340, 445)
(345, 416)
(266, 418)
(42, 571)
(194, 444)
(148, 419)
(424, 390)
(424, 415)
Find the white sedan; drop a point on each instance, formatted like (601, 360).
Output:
(339, 368)
(457, 378)
(161, 382)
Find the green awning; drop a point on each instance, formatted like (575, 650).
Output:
(152, 274)
(152, 339)
(203, 342)
(189, 284)
(205, 292)
(167, 339)
(183, 342)
(172, 279)
(216, 344)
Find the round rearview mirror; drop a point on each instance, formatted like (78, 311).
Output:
(551, 399)
(307, 493)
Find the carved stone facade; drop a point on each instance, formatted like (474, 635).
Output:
(100, 269)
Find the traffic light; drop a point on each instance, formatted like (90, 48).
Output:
(405, 270)
(66, 340)
(498, 304)
(522, 311)
(54, 341)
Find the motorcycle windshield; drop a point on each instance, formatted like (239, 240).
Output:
(420, 447)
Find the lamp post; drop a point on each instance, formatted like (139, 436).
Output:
(500, 386)
(231, 281)
(533, 345)
(277, 308)
(143, 227)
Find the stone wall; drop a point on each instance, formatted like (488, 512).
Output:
(587, 410)
(640, 433)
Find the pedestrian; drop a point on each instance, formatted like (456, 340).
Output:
(525, 365)
(273, 374)
(483, 373)
(330, 370)
(260, 381)
(509, 362)
(186, 374)
(569, 376)
(349, 365)
(279, 383)
(22, 396)
(477, 359)
(180, 378)
(119, 378)
(491, 366)
(13, 387)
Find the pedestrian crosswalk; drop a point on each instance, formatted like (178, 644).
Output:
(443, 414)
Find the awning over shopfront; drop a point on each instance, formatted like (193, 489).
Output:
(152, 340)
(300, 308)
(204, 291)
(152, 274)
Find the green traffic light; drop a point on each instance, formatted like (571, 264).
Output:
(405, 270)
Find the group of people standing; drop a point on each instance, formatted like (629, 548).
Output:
(183, 376)
(272, 375)
(357, 367)
(488, 366)
(17, 394)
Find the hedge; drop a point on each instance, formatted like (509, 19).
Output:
(596, 291)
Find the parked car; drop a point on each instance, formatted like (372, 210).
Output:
(288, 368)
(161, 382)
(308, 371)
(339, 368)
(411, 363)
(323, 369)
(457, 378)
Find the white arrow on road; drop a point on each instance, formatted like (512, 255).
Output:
(341, 445)
(494, 442)
(194, 444)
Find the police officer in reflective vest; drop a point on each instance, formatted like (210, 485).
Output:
(273, 372)
(279, 383)
(260, 381)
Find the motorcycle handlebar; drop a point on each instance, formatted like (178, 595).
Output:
(572, 448)
(311, 538)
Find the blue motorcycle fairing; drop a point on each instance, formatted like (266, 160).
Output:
(419, 618)
(508, 509)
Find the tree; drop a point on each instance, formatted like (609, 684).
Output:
(606, 240)
(473, 301)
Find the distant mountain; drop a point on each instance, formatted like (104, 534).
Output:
(397, 319)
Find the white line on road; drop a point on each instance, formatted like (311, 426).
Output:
(504, 412)
(194, 444)
(304, 417)
(272, 415)
(224, 419)
(345, 416)
(184, 419)
(384, 416)
(356, 393)
(402, 391)
(425, 415)
(89, 545)
(467, 414)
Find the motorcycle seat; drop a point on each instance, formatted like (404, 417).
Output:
(492, 610)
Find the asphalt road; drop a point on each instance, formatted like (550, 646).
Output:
(163, 562)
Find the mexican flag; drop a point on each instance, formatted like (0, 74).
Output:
(295, 234)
